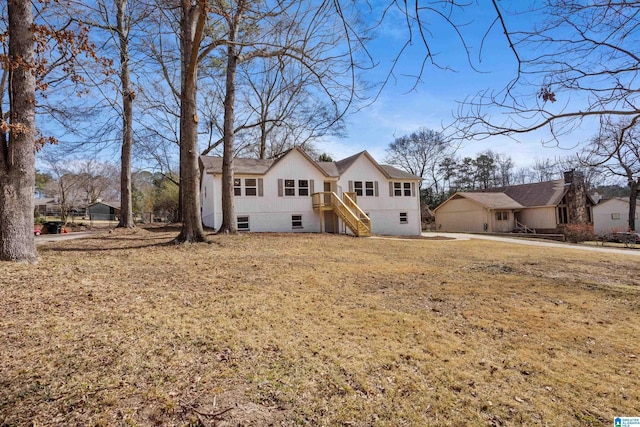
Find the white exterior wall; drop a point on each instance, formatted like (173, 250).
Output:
(268, 213)
(384, 210)
(461, 215)
(603, 216)
(543, 217)
(210, 200)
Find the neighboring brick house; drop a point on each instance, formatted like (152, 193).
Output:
(543, 207)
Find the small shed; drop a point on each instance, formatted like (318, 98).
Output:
(104, 211)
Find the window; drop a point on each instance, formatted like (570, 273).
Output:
(397, 189)
(296, 221)
(615, 216)
(357, 187)
(563, 213)
(401, 189)
(303, 187)
(250, 187)
(369, 188)
(289, 187)
(404, 218)
(502, 216)
(242, 223)
(364, 188)
(407, 189)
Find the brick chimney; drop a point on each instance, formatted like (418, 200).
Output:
(576, 197)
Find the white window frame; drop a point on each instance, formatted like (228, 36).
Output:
(237, 187)
(251, 188)
(241, 221)
(404, 218)
(296, 222)
(397, 189)
(289, 187)
(406, 186)
(615, 215)
(364, 188)
(302, 189)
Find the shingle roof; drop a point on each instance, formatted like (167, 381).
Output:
(240, 166)
(492, 200)
(548, 193)
(395, 173)
(331, 169)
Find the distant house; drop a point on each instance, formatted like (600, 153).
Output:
(613, 215)
(294, 193)
(45, 206)
(104, 211)
(543, 207)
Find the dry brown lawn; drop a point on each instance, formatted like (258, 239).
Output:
(320, 330)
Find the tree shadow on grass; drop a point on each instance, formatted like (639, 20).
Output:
(114, 243)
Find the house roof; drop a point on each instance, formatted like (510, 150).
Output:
(620, 199)
(241, 166)
(111, 204)
(395, 173)
(491, 200)
(330, 169)
(548, 193)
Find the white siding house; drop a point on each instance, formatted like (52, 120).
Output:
(293, 193)
(612, 215)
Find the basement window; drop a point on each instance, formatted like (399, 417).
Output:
(404, 218)
(242, 223)
(296, 221)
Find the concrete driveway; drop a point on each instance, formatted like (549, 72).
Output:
(48, 238)
(533, 242)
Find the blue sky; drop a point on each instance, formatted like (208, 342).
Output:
(402, 109)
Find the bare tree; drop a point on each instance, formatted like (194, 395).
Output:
(576, 64)
(18, 139)
(544, 170)
(307, 33)
(616, 150)
(421, 154)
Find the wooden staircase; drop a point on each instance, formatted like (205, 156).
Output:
(521, 228)
(346, 209)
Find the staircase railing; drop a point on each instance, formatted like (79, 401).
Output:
(523, 228)
(348, 211)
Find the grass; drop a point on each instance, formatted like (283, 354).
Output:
(267, 329)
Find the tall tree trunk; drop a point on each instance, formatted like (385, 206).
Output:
(228, 207)
(633, 197)
(192, 24)
(17, 155)
(126, 209)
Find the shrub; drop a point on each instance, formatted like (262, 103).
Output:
(40, 220)
(577, 233)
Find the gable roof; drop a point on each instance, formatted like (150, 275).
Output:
(619, 199)
(548, 193)
(388, 171)
(112, 204)
(242, 166)
(486, 200)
